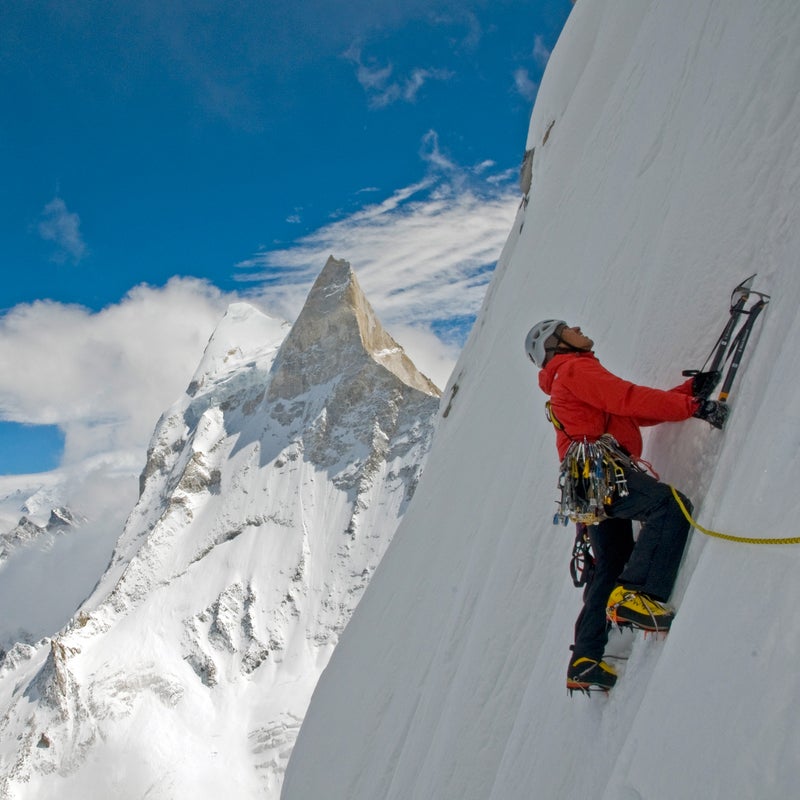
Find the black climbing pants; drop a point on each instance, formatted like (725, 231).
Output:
(649, 565)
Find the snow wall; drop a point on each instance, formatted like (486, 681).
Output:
(665, 171)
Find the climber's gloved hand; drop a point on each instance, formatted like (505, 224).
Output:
(703, 383)
(713, 412)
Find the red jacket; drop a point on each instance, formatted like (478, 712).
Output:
(589, 401)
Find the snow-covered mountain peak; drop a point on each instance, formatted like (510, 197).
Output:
(26, 530)
(335, 333)
(260, 521)
(243, 333)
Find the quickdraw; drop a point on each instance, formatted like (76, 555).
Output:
(590, 476)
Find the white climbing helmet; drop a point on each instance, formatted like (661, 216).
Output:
(536, 340)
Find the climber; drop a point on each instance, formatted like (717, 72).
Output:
(632, 580)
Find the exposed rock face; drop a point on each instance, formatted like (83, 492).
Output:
(337, 311)
(270, 493)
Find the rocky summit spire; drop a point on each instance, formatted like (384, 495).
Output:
(335, 333)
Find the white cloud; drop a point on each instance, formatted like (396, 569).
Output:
(431, 153)
(431, 356)
(474, 35)
(63, 228)
(38, 594)
(524, 84)
(105, 377)
(541, 52)
(419, 77)
(383, 88)
(478, 169)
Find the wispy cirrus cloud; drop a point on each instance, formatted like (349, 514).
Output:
(423, 255)
(62, 227)
(383, 87)
(541, 52)
(524, 84)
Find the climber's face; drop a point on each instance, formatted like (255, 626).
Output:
(574, 338)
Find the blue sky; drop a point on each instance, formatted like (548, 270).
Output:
(179, 155)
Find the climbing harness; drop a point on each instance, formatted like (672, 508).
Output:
(727, 536)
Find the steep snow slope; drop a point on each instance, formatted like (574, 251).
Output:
(665, 170)
(271, 491)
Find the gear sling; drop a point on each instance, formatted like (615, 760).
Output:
(591, 474)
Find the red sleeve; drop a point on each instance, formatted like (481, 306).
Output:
(684, 388)
(591, 383)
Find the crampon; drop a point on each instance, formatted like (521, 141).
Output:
(588, 675)
(586, 688)
(628, 608)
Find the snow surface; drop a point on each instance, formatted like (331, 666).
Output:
(666, 170)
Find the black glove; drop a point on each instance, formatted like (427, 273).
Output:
(703, 383)
(713, 412)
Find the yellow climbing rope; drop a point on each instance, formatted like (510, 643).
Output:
(726, 536)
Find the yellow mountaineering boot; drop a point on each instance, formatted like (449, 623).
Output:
(587, 675)
(629, 607)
